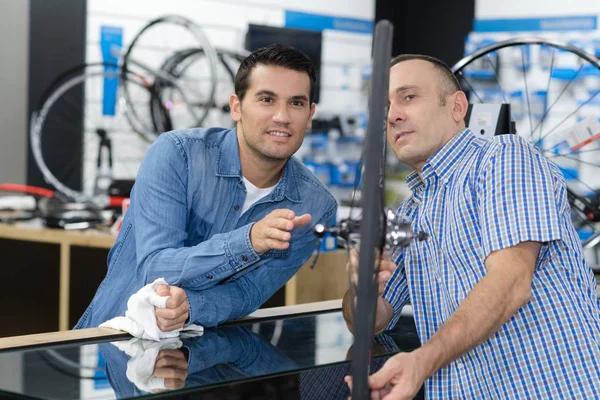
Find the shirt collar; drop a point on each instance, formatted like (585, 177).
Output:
(228, 165)
(443, 163)
(228, 161)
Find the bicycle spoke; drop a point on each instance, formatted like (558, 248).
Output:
(581, 175)
(587, 151)
(570, 115)
(558, 97)
(495, 68)
(575, 159)
(541, 123)
(553, 155)
(571, 176)
(171, 72)
(470, 86)
(526, 89)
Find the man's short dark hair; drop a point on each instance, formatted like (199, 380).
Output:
(448, 84)
(275, 55)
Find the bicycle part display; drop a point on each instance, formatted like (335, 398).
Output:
(191, 94)
(182, 66)
(151, 101)
(553, 90)
(75, 107)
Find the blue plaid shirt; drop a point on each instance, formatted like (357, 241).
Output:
(475, 196)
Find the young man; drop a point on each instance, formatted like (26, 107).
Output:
(224, 216)
(503, 300)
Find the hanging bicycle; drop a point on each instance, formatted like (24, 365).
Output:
(76, 105)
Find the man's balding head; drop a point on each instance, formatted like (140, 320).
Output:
(426, 108)
(448, 82)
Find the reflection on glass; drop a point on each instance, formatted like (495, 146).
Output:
(139, 366)
(300, 357)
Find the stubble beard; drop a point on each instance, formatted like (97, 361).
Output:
(255, 149)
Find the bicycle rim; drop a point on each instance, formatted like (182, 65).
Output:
(372, 225)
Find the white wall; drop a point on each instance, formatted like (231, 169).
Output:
(487, 9)
(225, 23)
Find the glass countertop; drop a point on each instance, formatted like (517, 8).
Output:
(305, 355)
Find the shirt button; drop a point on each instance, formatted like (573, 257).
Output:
(459, 365)
(236, 207)
(244, 258)
(439, 279)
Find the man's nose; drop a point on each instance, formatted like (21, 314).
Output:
(396, 114)
(282, 115)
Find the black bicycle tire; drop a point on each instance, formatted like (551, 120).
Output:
(523, 41)
(66, 75)
(171, 64)
(124, 74)
(74, 74)
(156, 21)
(372, 226)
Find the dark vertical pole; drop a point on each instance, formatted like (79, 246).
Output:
(57, 39)
(437, 27)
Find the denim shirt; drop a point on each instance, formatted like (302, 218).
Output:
(185, 224)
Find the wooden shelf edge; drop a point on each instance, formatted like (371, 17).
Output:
(56, 337)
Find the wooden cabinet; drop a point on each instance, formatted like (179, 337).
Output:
(51, 276)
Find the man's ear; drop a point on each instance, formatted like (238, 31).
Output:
(460, 105)
(313, 108)
(236, 108)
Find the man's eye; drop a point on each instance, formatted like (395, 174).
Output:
(266, 99)
(298, 103)
(409, 97)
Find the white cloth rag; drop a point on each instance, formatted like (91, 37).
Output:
(140, 317)
(143, 353)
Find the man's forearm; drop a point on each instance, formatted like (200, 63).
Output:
(382, 318)
(239, 297)
(204, 265)
(492, 302)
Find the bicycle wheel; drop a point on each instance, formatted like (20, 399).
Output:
(76, 108)
(184, 65)
(372, 229)
(553, 89)
(188, 99)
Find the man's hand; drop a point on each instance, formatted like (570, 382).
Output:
(273, 231)
(400, 378)
(172, 366)
(386, 269)
(177, 311)
(384, 309)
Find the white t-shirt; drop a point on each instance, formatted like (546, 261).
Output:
(253, 194)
